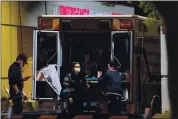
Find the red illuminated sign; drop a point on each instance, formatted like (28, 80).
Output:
(68, 10)
(125, 24)
(114, 13)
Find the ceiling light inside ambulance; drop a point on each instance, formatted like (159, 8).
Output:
(46, 23)
(125, 24)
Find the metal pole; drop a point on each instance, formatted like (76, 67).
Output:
(164, 73)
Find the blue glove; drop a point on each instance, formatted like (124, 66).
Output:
(91, 79)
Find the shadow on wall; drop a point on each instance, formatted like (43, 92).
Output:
(25, 41)
(31, 4)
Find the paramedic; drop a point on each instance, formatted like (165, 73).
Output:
(112, 77)
(16, 82)
(111, 83)
(74, 84)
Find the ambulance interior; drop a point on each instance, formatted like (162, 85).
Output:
(92, 46)
(93, 41)
(87, 47)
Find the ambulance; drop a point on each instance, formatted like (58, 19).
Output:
(129, 40)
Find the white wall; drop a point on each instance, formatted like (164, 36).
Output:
(34, 9)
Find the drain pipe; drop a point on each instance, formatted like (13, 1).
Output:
(45, 7)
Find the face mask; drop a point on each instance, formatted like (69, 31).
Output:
(77, 69)
(21, 65)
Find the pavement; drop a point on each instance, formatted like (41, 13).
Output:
(81, 116)
(48, 107)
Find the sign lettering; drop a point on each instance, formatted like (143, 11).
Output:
(68, 10)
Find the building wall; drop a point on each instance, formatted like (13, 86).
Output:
(15, 37)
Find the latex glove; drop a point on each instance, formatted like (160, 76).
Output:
(99, 74)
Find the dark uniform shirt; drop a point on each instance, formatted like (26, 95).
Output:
(15, 77)
(76, 82)
(111, 81)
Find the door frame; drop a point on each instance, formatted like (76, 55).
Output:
(59, 58)
(131, 45)
(131, 56)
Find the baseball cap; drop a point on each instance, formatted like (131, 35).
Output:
(22, 57)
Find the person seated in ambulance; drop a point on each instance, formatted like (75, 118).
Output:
(74, 84)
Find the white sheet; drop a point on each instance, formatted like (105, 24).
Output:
(51, 75)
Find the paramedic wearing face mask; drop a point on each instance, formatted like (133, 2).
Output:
(74, 84)
(16, 82)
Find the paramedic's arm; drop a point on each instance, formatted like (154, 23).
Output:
(66, 82)
(15, 78)
(102, 79)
